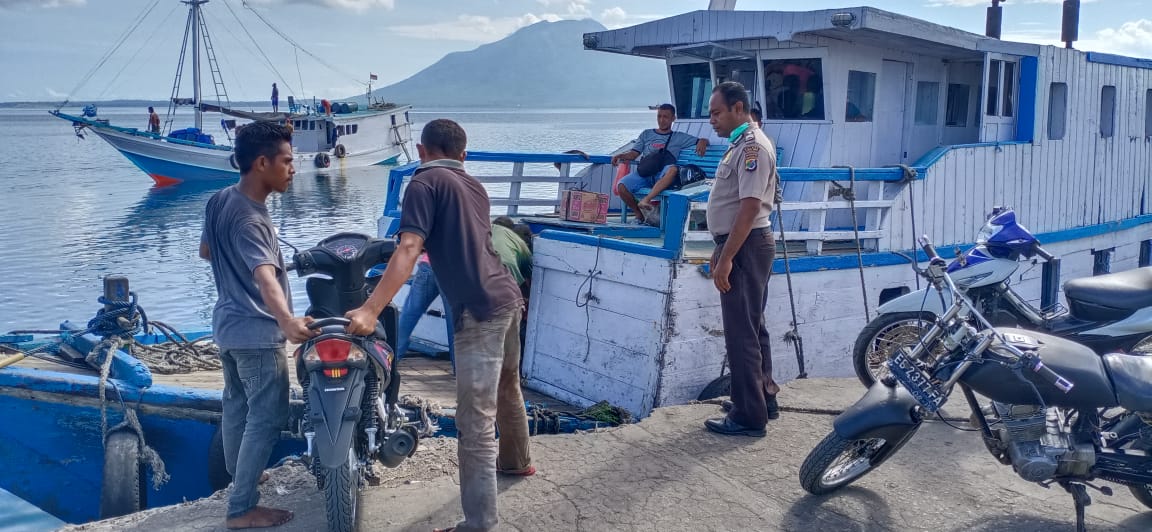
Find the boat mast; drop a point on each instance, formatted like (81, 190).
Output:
(194, 5)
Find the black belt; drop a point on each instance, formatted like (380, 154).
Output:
(720, 240)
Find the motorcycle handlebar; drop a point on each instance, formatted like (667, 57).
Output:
(1050, 376)
(928, 248)
(1043, 253)
(343, 322)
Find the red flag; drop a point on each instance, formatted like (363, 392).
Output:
(372, 77)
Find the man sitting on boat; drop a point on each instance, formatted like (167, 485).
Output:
(656, 150)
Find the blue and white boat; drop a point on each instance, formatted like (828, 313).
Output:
(327, 136)
(889, 127)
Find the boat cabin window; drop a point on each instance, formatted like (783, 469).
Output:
(339, 131)
(794, 89)
(692, 87)
(742, 71)
(927, 102)
(1057, 110)
(1001, 88)
(956, 108)
(861, 96)
(1148, 114)
(1107, 111)
(355, 128)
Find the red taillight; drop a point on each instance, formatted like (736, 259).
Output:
(335, 373)
(333, 350)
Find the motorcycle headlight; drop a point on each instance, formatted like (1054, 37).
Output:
(987, 232)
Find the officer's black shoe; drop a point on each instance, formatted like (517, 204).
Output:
(773, 407)
(727, 427)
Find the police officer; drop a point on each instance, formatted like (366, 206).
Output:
(738, 209)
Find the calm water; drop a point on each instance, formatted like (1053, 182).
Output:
(73, 211)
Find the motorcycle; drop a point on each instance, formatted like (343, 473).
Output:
(1108, 313)
(1046, 394)
(350, 383)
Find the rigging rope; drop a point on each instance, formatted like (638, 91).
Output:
(267, 61)
(849, 193)
(297, 45)
(143, 45)
(793, 334)
(108, 55)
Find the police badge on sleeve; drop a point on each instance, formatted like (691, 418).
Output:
(751, 154)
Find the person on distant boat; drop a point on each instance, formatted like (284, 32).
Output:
(446, 211)
(663, 143)
(253, 316)
(153, 121)
(738, 210)
(275, 99)
(757, 118)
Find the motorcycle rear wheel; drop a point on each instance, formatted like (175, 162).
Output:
(1143, 493)
(837, 462)
(342, 494)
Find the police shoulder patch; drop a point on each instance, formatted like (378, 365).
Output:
(751, 153)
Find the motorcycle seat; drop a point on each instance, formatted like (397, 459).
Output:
(1132, 380)
(1112, 296)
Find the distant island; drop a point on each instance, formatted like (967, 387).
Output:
(543, 65)
(539, 66)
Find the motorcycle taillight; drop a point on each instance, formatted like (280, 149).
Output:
(334, 350)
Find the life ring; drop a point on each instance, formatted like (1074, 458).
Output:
(622, 170)
(339, 151)
(232, 161)
(122, 489)
(322, 160)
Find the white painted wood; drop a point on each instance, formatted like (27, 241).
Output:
(891, 101)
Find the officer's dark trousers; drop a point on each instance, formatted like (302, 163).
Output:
(745, 337)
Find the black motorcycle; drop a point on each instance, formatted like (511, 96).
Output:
(1108, 313)
(351, 383)
(1046, 394)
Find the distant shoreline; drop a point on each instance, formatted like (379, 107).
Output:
(117, 104)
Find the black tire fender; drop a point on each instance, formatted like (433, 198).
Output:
(122, 488)
(339, 151)
(322, 160)
(218, 475)
(719, 387)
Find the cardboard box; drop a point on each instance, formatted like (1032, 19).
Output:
(583, 206)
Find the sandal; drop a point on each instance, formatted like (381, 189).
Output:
(526, 472)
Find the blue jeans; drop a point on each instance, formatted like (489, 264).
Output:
(420, 296)
(255, 406)
(634, 182)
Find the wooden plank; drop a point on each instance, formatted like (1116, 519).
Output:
(569, 291)
(518, 179)
(616, 266)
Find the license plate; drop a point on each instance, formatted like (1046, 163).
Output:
(916, 381)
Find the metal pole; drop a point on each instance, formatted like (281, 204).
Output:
(196, 60)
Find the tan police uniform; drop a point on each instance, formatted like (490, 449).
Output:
(748, 170)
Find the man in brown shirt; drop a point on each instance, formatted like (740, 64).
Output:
(738, 208)
(446, 212)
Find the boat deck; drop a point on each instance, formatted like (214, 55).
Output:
(428, 378)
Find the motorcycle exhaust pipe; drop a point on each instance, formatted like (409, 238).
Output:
(396, 447)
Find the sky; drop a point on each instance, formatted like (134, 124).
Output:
(49, 47)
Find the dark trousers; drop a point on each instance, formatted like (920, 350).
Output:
(745, 336)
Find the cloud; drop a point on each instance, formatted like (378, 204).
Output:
(54, 94)
(986, 3)
(614, 17)
(1132, 38)
(472, 28)
(574, 8)
(4, 4)
(354, 5)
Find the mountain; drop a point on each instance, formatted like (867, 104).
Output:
(542, 65)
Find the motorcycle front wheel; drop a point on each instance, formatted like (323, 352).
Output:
(882, 337)
(837, 462)
(342, 494)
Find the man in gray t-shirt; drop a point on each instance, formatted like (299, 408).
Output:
(253, 316)
(649, 142)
